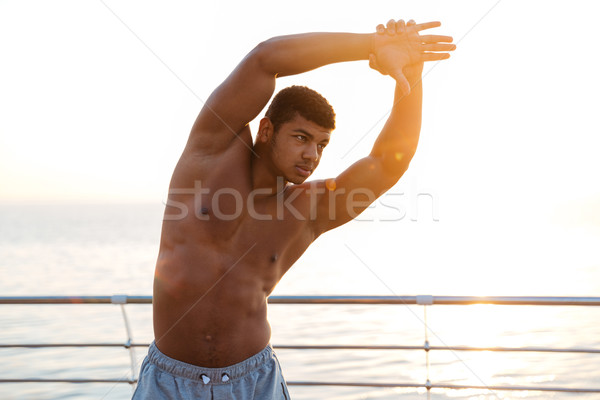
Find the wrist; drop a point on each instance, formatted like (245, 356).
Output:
(413, 73)
(372, 38)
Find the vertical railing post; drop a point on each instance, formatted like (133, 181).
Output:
(121, 300)
(426, 300)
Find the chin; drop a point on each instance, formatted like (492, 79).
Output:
(296, 180)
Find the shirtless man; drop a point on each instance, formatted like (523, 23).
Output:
(239, 213)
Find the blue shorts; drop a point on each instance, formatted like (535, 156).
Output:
(258, 377)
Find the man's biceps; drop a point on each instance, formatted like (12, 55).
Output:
(366, 175)
(212, 117)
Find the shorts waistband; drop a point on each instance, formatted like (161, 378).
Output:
(213, 375)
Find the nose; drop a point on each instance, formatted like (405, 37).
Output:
(311, 152)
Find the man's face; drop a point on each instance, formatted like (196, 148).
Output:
(297, 148)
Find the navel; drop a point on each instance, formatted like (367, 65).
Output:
(274, 257)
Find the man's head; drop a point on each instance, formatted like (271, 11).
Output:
(294, 132)
(303, 101)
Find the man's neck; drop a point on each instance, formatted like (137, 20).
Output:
(264, 178)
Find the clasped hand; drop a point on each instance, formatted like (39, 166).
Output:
(399, 50)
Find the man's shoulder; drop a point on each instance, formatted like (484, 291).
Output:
(304, 200)
(307, 190)
(206, 142)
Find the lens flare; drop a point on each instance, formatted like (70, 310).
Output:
(330, 184)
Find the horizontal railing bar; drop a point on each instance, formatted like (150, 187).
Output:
(76, 300)
(359, 384)
(348, 384)
(448, 386)
(330, 347)
(75, 380)
(517, 301)
(344, 347)
(453, 348)
(406, 300)
(438, 300)
(44, 345)
(516, 349)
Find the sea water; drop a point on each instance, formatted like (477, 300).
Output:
(108, 249)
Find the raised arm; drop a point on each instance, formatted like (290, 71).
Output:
(399, 52)
(402, 57)
(246, 91)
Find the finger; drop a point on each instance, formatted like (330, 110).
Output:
(380, 28)
(373, 62)
(435, 38)
(391, 27)
(434, 56)
(428, 25)
(402, 82)
(400, 26)
(439, 47)
(410, 25)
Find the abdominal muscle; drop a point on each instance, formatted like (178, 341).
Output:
(206, 314)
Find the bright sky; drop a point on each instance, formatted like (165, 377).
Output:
(97, 99)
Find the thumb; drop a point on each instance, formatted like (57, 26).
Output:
(373, 64)
(401, 81)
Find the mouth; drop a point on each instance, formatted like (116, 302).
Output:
(303, 170)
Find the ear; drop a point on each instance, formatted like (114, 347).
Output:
(265, 130)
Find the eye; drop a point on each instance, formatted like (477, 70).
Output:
(301, 138)
(321, 146)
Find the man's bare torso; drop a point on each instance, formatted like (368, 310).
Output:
(219, 259)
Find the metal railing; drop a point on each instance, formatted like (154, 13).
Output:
(425, 301)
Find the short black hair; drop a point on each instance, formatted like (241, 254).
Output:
(300, 100)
